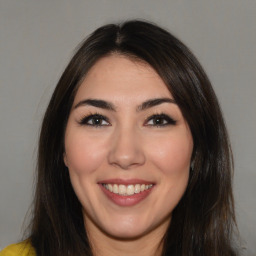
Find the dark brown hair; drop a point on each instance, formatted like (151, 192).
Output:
(202, 223)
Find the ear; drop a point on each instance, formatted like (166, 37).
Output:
(65, 159)
(192, 164)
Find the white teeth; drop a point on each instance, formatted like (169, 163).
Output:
(127, 190)
(110, 187)
(130, 190)
(122, 189)
(137, 188)
(115, 189)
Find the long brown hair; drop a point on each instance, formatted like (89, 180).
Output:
(202, 223)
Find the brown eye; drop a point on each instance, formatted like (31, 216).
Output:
(95, 120)
(160, 120)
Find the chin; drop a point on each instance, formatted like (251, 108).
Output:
(130, 229)
(126, 234)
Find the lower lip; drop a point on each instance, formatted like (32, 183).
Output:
(126, 200)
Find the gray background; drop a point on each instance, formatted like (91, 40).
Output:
(39, 37)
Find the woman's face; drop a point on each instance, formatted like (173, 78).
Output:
(127, 148)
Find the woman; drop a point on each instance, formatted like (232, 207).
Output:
(134, 156)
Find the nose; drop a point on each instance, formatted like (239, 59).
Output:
(126, 149)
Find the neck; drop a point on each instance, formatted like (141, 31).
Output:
(102, 244)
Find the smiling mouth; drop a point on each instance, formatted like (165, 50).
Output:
(127, 190)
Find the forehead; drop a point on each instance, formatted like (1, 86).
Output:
(118, 76)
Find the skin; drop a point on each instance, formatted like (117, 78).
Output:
(128, 144)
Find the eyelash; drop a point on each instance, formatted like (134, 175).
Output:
(85, 120)
(165, 120)
(163, 117)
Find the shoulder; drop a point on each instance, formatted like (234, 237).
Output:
(19, 249)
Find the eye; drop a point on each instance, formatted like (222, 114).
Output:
(94, 120)
(160, 120)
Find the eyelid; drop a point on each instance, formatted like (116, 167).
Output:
(168, 119)
(84, 120)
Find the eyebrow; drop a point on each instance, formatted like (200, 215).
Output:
(96, 103)
(154, 102)
(109, 106)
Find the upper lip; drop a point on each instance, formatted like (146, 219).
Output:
(126, 182)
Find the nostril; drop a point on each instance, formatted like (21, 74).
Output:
(126, 159)
(126, 151)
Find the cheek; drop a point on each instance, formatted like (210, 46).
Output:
(172, 158)
(173, 155)
(83, 153)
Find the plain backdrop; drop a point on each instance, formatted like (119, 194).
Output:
(39, 37)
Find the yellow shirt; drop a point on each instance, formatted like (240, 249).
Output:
(20, 249)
